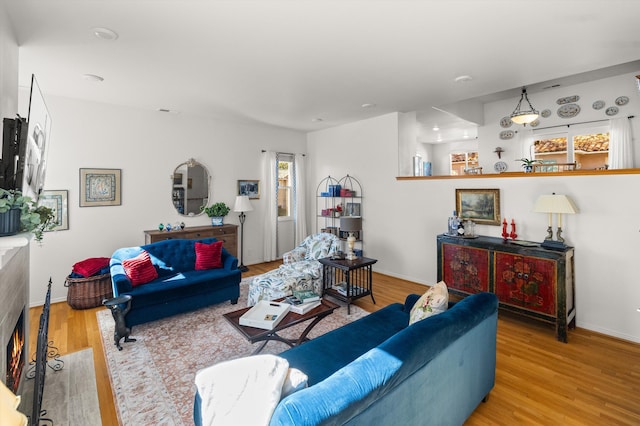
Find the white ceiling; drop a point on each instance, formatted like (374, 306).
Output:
(286, 63)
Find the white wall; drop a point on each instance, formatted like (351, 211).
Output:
(8, 68)
(402, 218)
(147, 146)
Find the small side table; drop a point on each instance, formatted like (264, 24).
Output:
(347, 280)
(115, 306)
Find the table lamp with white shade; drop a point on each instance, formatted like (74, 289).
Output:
(558, 204)
(242, 205)
(351, 224)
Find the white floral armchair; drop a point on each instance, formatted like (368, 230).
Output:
(300, 270)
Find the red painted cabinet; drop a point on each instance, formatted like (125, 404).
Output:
(531, 281)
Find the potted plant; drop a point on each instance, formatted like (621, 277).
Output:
(20, 213)
(217, 212)
(527, 164)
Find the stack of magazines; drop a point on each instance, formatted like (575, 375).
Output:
(303, 301)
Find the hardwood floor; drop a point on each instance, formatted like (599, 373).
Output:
(593, 379)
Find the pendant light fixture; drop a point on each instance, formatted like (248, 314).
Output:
(526, 116)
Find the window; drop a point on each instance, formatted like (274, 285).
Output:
(285, 186)
(587, 147)
(463, 160)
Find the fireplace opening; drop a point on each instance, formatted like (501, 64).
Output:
(16, 355)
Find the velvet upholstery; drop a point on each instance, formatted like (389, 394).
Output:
(179, 287)
(435, 371)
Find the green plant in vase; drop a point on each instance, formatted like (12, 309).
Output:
(19, 213)
(527, 164)
(217, 212)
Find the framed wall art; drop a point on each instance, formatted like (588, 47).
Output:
(100, 187)
(56, 201)
(479, 205)
(250, 188)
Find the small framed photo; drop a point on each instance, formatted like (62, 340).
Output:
(479, 205)
(251, 188)
(352, 209)
(100, 187)
(56, 201)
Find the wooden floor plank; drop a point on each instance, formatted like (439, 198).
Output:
(593, 379)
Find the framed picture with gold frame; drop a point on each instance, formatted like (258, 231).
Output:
(479, 205)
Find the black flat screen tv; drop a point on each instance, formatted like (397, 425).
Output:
(25, 145)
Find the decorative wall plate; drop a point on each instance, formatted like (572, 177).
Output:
(500, 166)
(568, 100)
(568, 110)
(545, 113)
(598, 105)
(612, 111)
(506, 122)
(622, 100)
(507, 134)
(535, 123)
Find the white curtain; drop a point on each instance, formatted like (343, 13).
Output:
(299, 191)
(270, 179)
(620, 144)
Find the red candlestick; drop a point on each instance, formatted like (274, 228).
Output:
(505, 235)
(513, 234)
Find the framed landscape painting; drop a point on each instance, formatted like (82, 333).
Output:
(479, 205)
(100, 187)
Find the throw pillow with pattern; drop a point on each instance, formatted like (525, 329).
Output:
(433, 302)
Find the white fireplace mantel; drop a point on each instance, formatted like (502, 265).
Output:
(9, 246)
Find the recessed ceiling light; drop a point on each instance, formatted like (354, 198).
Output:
(436, 128)
(317, 119)
(93, 77)
(105, 33)
(368, 105)
(463, 79)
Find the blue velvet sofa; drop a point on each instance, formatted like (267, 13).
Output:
(179, 287)
(379, 370)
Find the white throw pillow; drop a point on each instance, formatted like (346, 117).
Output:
(294, 381)
(434, 301)
(242, 391)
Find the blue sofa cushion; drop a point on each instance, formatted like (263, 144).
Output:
(332, 351)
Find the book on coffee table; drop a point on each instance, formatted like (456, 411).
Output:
(298, 307)
(265, 314)
(306, 296)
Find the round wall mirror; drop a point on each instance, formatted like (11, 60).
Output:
(190, 188)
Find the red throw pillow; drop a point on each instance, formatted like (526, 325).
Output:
(139, 269)
(208, 256)
(91, 266)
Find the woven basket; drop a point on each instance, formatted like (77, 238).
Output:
(85, 293)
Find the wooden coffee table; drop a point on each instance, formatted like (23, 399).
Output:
(254, 335)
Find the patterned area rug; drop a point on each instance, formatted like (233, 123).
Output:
(153, 378)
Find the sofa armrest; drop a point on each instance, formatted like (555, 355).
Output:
(229, 261)
(119, 279)
(295, 255)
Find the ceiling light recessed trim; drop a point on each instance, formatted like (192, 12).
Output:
(92, 77)
(104, 33)
(317, 119)
(368, 105)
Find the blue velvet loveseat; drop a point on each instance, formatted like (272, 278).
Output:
(179, 287)
(380, 370)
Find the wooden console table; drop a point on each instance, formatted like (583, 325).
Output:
(528, 280)
(227, 233)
